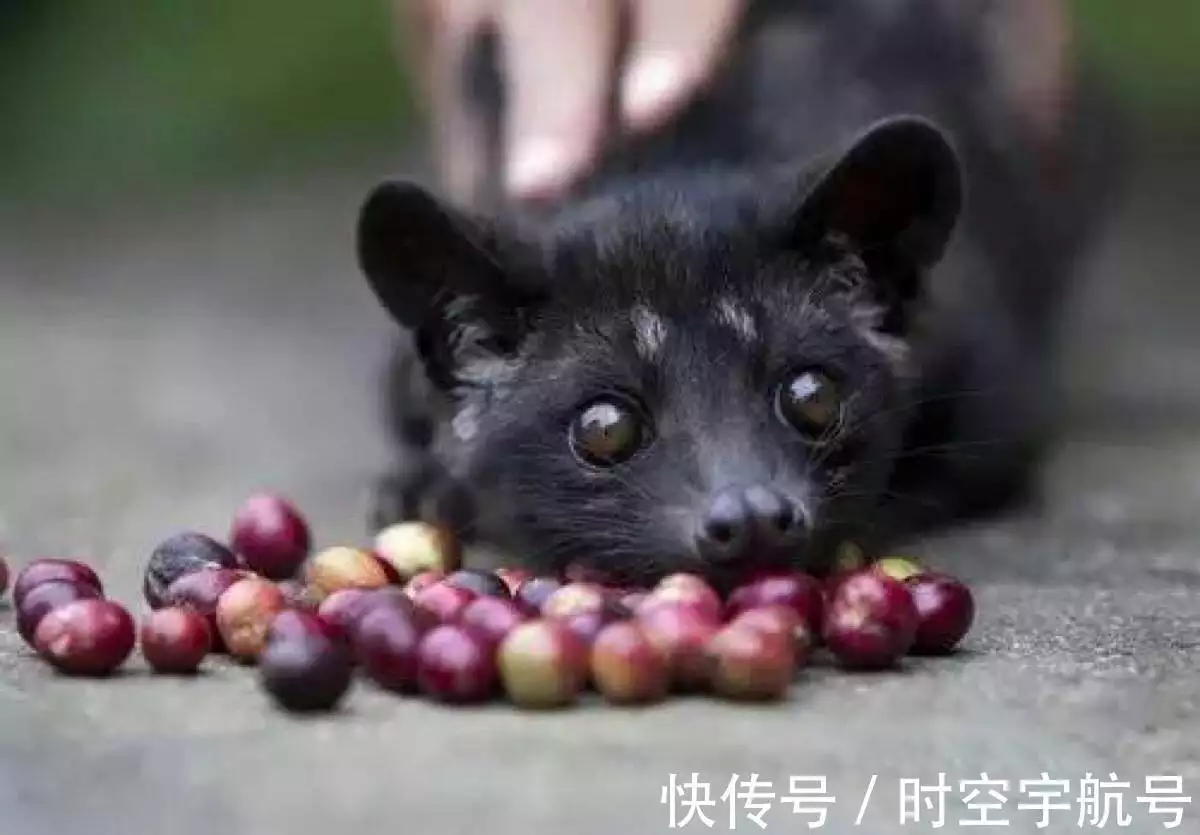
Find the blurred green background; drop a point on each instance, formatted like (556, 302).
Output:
(145, 98)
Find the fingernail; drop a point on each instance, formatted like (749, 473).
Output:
(650, 87)
(538, 166)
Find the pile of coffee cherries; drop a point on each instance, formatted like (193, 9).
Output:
(405, 616)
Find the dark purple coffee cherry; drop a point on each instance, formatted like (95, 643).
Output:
(945, 612)
(305, 670)
(48, 570)
(480, 582)
(182, 554)
(44, 599)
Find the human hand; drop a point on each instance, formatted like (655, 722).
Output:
(561, 73)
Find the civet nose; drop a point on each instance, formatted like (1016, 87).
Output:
(748, 522)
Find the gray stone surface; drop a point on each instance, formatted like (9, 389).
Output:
(156, 369)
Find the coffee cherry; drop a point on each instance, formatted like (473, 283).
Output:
(422, 581)
(683, 580)
(270, 535)
(681, 633)
(345, 607)
(781, 622)
(532, 595)
(455, 666)
(574, 598)
(175, 640)
(799, 592)
(49, 570)
(626, 668)
(491, 619)
(305, 670)
(684, 590)
(945, 612)
(385, 645)
(182, 554)
(870, 621)
(897, 568)
(392, 596)
(749, 664)
(292, 624)
(90, 637)
(341, 567)
(412, 547)
(542, 665)
(44, 598)
(587, 625)
(425, 618)
(480, 582)
(442, 603)
(244, 614)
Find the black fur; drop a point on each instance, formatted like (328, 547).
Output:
(853, 196)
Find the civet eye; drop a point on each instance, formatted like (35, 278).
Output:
(810, 403)
(607, 432)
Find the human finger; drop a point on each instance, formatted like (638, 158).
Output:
(559, 63)
(677, 47)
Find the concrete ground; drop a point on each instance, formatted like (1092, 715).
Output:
(154, 371)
